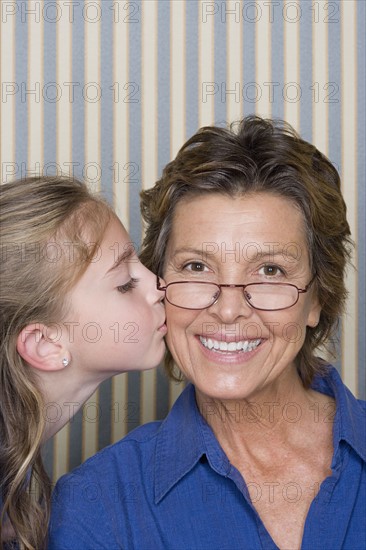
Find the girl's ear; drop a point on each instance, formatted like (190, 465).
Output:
(42, 348)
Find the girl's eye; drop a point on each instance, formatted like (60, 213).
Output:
(271, 270)
(132, 283)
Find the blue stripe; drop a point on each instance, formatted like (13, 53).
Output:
(361, 168)
(163, 84)
(52, 92)
(47, 456)
(76, 96)
(332, 95)
(132, 96)
(250, 86)
(76, 439)
(306, 77)
(223, 88)
(162, 394)
(277, 89)
(21, 108)
(105, 418)
(193, 95)
(108, 97)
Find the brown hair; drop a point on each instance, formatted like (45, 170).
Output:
(49, 232)
(254, 156)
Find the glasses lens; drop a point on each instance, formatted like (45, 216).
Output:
(271, 296)
(192, 295)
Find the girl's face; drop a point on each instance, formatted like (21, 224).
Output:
(117, 319)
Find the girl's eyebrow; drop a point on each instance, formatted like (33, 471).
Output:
(123, 257)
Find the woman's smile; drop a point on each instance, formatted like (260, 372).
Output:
(244, 346)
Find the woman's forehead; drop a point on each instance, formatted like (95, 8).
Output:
(257, 217)
(229, 230)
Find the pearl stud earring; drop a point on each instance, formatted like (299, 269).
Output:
(65, 362)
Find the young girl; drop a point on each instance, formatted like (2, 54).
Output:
(66, 264)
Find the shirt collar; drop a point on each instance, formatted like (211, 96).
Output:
(180, 443)
(184, 436)
(349, 420)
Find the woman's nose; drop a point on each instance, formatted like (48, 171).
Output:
(230, 305)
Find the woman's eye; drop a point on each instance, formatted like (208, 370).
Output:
(132, 283)
(271, 271)
(195, 266)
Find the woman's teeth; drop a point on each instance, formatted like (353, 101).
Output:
(243, 345)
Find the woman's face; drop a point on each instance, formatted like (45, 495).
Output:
(254, 238)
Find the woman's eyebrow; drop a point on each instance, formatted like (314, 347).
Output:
(190, 250)
(284, 253)
(248, 251)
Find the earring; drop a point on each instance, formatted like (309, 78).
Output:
(65, 361)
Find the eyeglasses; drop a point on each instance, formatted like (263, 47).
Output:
(262, 296)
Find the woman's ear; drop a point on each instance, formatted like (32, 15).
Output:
(42, 348)
(314, 313)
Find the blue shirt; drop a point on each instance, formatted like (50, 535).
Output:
(169, 485)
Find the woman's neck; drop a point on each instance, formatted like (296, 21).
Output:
(271, 416)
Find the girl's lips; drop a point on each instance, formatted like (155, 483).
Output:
(163, 328)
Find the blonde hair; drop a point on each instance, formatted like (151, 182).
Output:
(50, 228)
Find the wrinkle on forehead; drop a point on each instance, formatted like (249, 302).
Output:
(264, 223)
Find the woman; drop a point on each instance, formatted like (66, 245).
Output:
(265, 448)
(67, 266)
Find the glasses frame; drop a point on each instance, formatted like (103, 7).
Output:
(220, 286)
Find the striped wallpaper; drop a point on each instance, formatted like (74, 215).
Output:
(109, 91)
